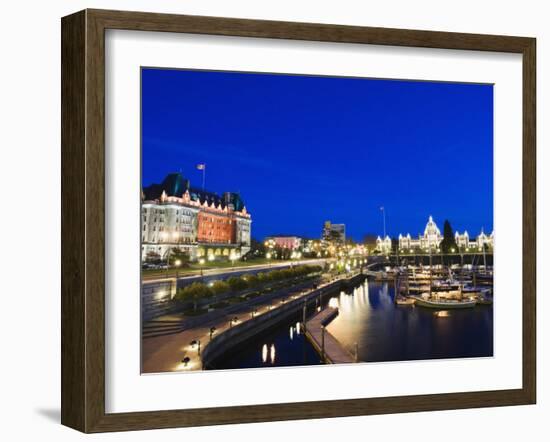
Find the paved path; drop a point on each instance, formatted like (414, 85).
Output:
(334, 352)
(166, 353)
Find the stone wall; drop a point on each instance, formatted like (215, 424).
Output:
(156, 297)
(240, 333)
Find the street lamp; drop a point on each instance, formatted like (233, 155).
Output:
(201, 262)
(177, 264)
(196, 342)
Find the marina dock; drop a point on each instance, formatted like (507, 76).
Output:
(328, 347)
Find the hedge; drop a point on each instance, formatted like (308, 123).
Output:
(199, 290)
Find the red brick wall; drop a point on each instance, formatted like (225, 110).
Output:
(215, 228)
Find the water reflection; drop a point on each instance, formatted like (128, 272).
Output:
(385, 331)
(284, 345)
(382, 330)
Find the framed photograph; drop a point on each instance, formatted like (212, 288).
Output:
(268, 220)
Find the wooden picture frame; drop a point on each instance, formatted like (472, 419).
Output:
(83, 220)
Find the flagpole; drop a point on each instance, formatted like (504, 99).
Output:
(384, 219)
(203, 176)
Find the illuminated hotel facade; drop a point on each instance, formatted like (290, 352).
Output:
(431, 239)
(175, 215)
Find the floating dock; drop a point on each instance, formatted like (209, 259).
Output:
(328, 347)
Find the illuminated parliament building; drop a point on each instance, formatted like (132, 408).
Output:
(431, 239)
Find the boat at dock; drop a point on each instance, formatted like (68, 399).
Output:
(428, 302)
(402, 300)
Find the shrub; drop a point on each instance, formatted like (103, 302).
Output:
(219, 287)
(277, 275)
(252, 280)
(193, 292)
(237, 283)
(264, 277)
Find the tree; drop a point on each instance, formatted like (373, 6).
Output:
(177, 254)
(448, 244)
(237, 283)
(334, 237)
(193, 292)
(257, 248)
(282, 252)
(219, 287)
(369, 240)
(252, 280)
(394, 245)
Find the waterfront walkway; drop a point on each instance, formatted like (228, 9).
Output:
(166, 353)
(328, 347)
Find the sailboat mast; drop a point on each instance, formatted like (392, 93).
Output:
(430, 246)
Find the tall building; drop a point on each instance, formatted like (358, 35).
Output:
(205, 224)
(334, 232)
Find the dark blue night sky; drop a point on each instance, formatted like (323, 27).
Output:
(302, 150)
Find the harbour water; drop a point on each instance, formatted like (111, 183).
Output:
(382, 330)
(285, 345)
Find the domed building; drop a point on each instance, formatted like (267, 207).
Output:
(432, 237)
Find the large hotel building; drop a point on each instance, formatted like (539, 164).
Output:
(205, 224)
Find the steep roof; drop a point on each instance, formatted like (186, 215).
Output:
(174, 184)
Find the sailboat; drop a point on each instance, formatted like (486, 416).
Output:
(441, 303)
(443, 300)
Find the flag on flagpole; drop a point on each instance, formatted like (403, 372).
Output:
(202, 166)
